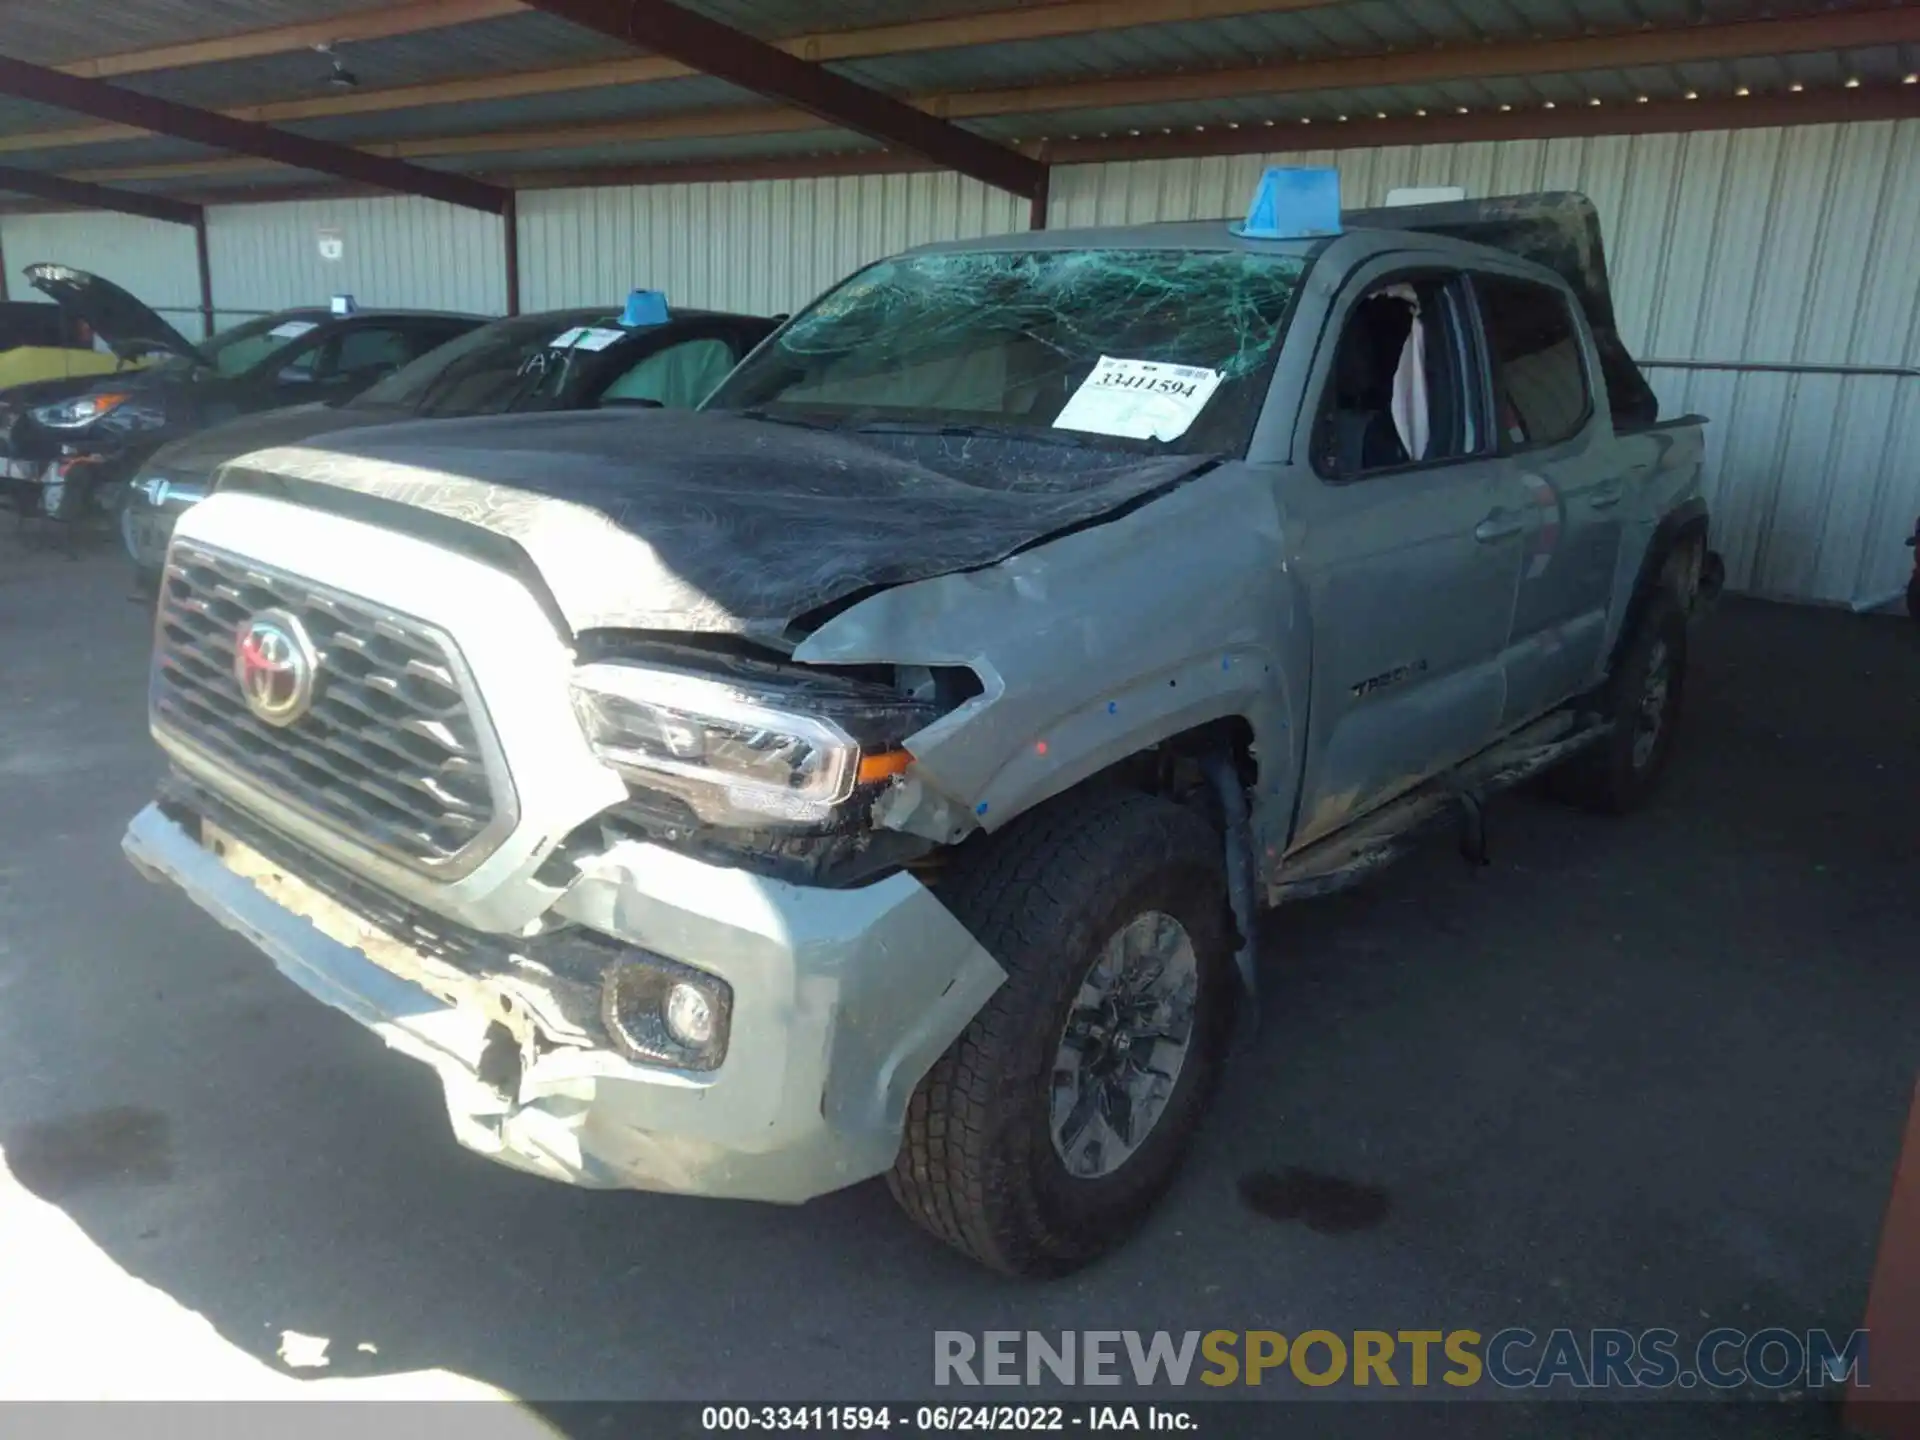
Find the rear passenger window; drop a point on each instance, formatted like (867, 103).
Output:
(1539, 381)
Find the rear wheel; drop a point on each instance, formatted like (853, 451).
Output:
(1642, 699)
(1047, 1131)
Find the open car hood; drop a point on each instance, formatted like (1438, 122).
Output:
(1558, 229)
(115, 316)
(675, 520)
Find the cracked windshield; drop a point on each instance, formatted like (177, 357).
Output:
(1123, 349)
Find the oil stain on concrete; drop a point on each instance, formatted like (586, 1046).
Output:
(119, 1145)
(1325, 1204)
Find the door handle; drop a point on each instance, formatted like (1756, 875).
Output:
(1607, 495)
(1499, 525)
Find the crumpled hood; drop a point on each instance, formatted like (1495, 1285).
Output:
(665, 520)
(197, 456)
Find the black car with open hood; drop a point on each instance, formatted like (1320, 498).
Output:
(62, 438)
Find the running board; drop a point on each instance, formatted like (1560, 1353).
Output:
(1377, 840)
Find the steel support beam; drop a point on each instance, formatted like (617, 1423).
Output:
(510, 218)
(88, 196)
(206, 274)
(752, 64)
(1659, 117)
(207, 127)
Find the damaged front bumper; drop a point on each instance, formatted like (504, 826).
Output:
(841, 1001)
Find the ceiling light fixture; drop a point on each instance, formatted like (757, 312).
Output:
(341, 78)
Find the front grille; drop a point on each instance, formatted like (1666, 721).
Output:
(394, 752)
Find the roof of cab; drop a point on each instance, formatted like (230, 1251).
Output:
(1161, 235)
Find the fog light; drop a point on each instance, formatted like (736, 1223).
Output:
(665, 1013)
(689, 1017)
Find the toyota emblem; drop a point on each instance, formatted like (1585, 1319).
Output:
(275, 666)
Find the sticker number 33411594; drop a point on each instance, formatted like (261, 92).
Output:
(1138, 399)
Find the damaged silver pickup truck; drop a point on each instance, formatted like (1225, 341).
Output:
(881, 770)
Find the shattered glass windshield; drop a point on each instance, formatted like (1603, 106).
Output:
(1157, 350)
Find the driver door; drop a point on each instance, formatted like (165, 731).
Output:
(1409, 553)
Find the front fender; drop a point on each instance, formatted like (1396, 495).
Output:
(1095, 646)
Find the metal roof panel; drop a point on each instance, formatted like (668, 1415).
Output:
(58, 32)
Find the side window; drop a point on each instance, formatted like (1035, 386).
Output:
(370, 350)
(678, 377)
(1402, 391)
(302, 365)
(1539, 380)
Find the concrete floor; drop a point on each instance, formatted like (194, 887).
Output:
(1641, 1072)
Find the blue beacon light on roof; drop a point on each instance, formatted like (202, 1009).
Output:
(1293, 203)
(644, 307)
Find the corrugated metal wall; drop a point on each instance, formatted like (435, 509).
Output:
(150, 258)
(397, 250)
(760, 246)
(1792, 245)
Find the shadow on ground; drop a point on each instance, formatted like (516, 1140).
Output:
(1643, 1072)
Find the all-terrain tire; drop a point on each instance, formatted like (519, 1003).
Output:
(1643, 700)
(978, 1166)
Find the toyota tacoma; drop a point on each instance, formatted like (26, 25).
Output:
(881, 770)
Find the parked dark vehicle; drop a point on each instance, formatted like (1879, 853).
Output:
(555, 360)
(62, 441)
(27, 322)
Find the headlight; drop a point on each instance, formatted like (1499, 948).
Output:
(741, 753)
(81, 410)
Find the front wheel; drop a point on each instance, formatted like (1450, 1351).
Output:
(1051, 1126)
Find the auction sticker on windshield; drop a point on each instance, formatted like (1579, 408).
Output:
(292, 329)
(585, 337)
(1138, 399)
